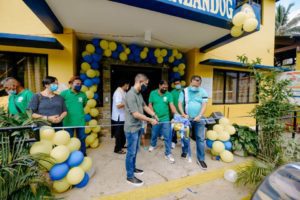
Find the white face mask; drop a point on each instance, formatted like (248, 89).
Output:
(178, 86)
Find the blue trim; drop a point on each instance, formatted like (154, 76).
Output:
(41, 9)
(179, 11)
(226, 63)
(29, 41)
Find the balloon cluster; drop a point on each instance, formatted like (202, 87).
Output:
(218, 140)
(244, 20)
(71, 168)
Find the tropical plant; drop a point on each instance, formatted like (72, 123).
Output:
(284, 25)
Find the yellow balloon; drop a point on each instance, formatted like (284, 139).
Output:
(96, 129)
(74, 144)
(179, 55)
(90, 138)
(84, 88)
(87, 109)
(104, 44)
(239, 19)
(61, 185)
(95, 144)
(218, 128)
(174, 52)
(236, 31)
(91, 103)
(60, 153)
(85, 66)
(127, 51)
(218, 146)
(183, 83)
(75, 175)
(112, 46)
(224, 121)
(223, 136)
(250, 25)
(181, 66)
(89, 94)
(171, 59)
(146, 49)
(163, 52)
(175, 69)
(40, 147)
(94, 112)
(93, 122)
(157, 53)
(214, 153)
(87, 130)
(250, 15)
(90, 48)
(86, 164)
(226, 156)
(61, 138)
(181, 73)
(107, 52)
(143, 55)
(85, 53)
(212, 135)
(123, 56)
(47, 133)
(97, 73)
(160, 60)
(91, 73)
(230, 129)
(93, 88)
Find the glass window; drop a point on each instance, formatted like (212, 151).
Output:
(218, 87)
(231, 87)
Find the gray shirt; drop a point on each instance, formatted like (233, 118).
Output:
(134, 102)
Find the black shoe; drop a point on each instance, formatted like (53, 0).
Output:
(202, 164)
(138, 171)
(135, 181)
(183, 155)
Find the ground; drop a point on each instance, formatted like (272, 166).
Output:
(163, 180)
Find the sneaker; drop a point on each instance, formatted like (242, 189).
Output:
(170, 158)
(135, 181)
(151, 148)
(202, 164)
(189, 159)
(173, 145)
(161, 137)
(138, 171)
(183, 155)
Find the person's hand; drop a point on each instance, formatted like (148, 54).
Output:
(53, 118)
(185, 116)
(154, 122)
(156, 118)
(197, 119)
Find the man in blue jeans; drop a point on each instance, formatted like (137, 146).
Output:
(192, 104)
(134, 117)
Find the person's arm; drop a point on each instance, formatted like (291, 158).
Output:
(180, 105)
(143, 117)
(203, 106)
(119, 100)
(33, 106)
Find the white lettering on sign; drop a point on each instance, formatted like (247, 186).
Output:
(221, 8)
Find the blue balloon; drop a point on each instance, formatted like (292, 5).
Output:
(87, 117)
(83, 77)
(96, 80)
(96, 57)
(137, 59)
(166, 59)
(131, 57)
(209, 143)
(228, 145)
(75, 158)
(95, 65)
(120, 48)
(88, 58)
(176, 62)
(84, 181)
(169, 52)
(176, 75)
(59, 171)
(99, 51)
(115, 55)
(96, 42)
(96, 96)
(88, 82)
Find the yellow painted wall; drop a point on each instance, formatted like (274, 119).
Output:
(297, 68)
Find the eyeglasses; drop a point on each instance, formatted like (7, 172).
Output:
(198, 80)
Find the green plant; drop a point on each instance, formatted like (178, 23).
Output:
(245, 140)
(284, 25)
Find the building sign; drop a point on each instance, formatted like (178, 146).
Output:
(217, 8)
(294, 77)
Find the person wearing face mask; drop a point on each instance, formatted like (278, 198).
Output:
(47, 105)
(161, 101)
(134, 117)
(19, 97)
(118, 116)
(192, 105)
(75, 101)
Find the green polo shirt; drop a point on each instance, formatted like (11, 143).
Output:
(19, 102)
(75, 103)
(175, 94)
(160, 104)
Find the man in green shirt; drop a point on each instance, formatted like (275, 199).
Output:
(19, 97)
(161, 101)
(75, 101)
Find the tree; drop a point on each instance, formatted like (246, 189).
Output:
(284, 25)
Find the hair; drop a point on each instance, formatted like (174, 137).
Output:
(162, 82)
(176, 79)
(48, 80)
(74, 78)
(4, 81)
(123, 82)
(140, 77)
(195, 77)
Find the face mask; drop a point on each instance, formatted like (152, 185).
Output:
(143, 88)
(178, 87)
(163, 91)
(11, 92)
(194, 89)
(53, 87)
(77, 88)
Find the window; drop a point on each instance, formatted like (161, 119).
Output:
(29, 69)
(233, 87)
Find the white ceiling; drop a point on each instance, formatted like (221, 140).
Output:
(123, 23)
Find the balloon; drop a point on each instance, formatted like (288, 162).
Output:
(86, 164)
(146, 49)
(96, 81)
(90, 48)
(160, 60)
(95, 65)
(224, 121)
(181, 66)
(250, 25)
(87, 109)
(97, 72)
(209, 143)
(83, 77)
(96, 57)
(157, 53)
(47, 133)
(163, 52)
(89, 94)
(61, 138)
(223, 136)
(94, 112)
(176, 75)
(94, 88)
(95, 144)
(74, 144)
(96, 42)
(123, 56)
(75, 175)
(88, 83)
(75, 158)
(127, 51)
(88, 58)
(218, 128)
(84, 181)
(212, 135)
(91, 73)
(85, 53)
(183, 83)
(171, 59)
(96, 96)
(250, 15)
(96, 129)
(175, 69)
(218, 146)
(179, 55)
(91, 103)
(87, 130)
(40, 147)
(84, 88)
(58, 171)
(104, 44)
(174, 52)
(119, 48)
(87, 117)
(107, 52)
(214, 153)
(85, 66)
(93, 122)
(143, 55)
(61, 185)
(239, 19)
(115, 55)
(90, 138)
(230, 175)
(236, 31)
(99, 51)
(60, 153)
(228, 145)
(112, 46)
(181, 73)
(226, 156)
(230, 129)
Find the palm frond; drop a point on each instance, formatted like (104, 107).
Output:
(293, 22)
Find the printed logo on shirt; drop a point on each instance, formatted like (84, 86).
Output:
(80, 99)
(165, 99)
(20, 99)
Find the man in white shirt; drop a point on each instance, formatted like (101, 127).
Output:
(118, 116)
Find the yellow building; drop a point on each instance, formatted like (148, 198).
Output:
(48, 37)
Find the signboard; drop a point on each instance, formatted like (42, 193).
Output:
(294, 77)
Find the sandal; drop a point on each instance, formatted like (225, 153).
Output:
(121, 152)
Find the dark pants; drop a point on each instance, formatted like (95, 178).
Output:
(80, 135)
(174, 136)
(118, 133)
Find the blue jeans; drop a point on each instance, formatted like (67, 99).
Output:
(186, 148)
(80, 135)
(133, 140)
(198, 128)
(165, 130)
